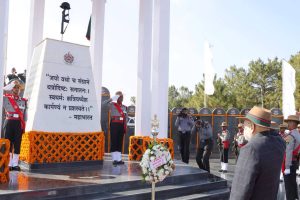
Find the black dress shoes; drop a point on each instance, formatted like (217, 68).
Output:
(115, 162)
(121, 162)
(16, 168)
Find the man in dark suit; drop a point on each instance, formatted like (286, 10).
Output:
(257, 171)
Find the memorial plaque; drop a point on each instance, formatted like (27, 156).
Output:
(276, 111)
(277, 115)
(193, 111)
(104, 115)
(233, 111)
(205, 111)
(131, 111)
(60, 89)
(219, 111)
(175, 112)
(245, 111)
(232, 121)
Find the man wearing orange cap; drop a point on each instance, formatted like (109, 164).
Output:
(14, 124)
(290, 163)
(224, 136)
(257, 171)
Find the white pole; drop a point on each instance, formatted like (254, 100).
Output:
(143, 102)
(4, 9)
(97, 37)
(160, 70)
(36, 28)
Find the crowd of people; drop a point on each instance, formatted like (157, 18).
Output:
(265, 152)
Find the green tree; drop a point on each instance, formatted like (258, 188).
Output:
(178, 97)
(265, 79)
(239, 90)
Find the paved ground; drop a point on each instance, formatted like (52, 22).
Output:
(23, 181)
(215, 166)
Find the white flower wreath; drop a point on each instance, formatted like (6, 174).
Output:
(156, 163)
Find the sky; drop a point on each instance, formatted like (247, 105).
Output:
(239, 31)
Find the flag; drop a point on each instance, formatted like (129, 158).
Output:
(288, 89)
(209, 72)
(88, 32)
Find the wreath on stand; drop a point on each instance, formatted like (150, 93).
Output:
(156, 163)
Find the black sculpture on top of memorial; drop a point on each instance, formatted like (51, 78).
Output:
(65, 17)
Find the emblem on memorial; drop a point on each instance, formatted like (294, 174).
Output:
(69, 58)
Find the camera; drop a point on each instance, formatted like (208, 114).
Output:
(201, 124)
(183, 113)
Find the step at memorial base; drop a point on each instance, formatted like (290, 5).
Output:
(113, 182)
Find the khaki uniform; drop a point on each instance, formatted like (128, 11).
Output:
(290, 162)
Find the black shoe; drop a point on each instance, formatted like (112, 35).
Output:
(10, 168)
(115, 162)
(224, 171)
(121, 162)
(16, 168)
(221, 170)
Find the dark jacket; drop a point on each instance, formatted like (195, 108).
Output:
(258, 168)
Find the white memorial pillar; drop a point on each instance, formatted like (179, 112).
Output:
(36, 28)
(143, 100)
(97, 37)
(4, 9)
(160, 70)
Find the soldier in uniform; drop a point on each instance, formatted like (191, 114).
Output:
(283, 134)
(298, 171)
(290, 163)
(204, 131)
(118, 119)
(224, 136)
(14, 123)
(239, 140)
(283, 130)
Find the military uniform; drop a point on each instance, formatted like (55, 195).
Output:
(290, 163)
(14, 125)
(118, 120)
(283, 134)
(224, 136)
(240, 141)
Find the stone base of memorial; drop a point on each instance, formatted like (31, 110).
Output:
(45, 150)
(139, 144)
(4, 160)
